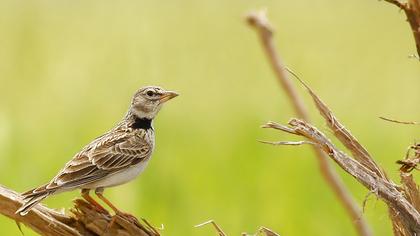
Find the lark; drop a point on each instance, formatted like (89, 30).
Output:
(112, 159)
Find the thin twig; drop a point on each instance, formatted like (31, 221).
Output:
(399, 122)
(262, 230)
(268, 232)
(397, 3)
(212, 222)
(260, 22)
(412, 10)
(289, 143)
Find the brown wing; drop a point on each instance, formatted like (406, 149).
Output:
(104, 156)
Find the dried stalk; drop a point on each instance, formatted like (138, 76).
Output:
(385, 189)
(261, 231)
(410, 188)
(403, 203)
(350, 142)
(260, 22)
(410, 163)
(85, 221)
(400, 122)
(215, 225)
(411, 9)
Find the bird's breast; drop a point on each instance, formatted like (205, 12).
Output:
(120, 177)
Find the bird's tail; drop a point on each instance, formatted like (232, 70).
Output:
(32, 198)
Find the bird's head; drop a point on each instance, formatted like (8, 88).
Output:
(147, 101)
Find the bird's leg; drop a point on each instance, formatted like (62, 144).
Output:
(99, 192)
(88, 198)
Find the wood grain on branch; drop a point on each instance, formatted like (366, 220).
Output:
(84, 221)
(259, 21)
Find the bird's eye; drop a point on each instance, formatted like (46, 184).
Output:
(150, 93)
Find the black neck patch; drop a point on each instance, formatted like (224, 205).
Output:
(142, 123)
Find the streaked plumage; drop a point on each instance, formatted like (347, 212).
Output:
(112, 159)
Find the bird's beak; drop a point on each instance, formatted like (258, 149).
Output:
(168, 95)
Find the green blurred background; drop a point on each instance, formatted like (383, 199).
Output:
(69, 68)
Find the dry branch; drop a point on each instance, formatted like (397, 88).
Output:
(350, 142)
(259, 20)
(403, 202)
(85, 221)
(411, 9)
(382, 187)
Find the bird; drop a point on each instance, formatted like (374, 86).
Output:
(112, 159)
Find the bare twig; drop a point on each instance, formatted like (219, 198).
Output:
(404, 223)
(382, 187)
(260, 22)
(412, 10)
(263, 230)
(86, 221)
(289, 143)
(212, 222)
(397, 3)
(400, 122)
(268, 232)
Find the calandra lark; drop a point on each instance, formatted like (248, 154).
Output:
(112, 159)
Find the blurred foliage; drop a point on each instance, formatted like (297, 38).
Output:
(69, 68)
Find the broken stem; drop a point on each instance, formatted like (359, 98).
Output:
(260, 22)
